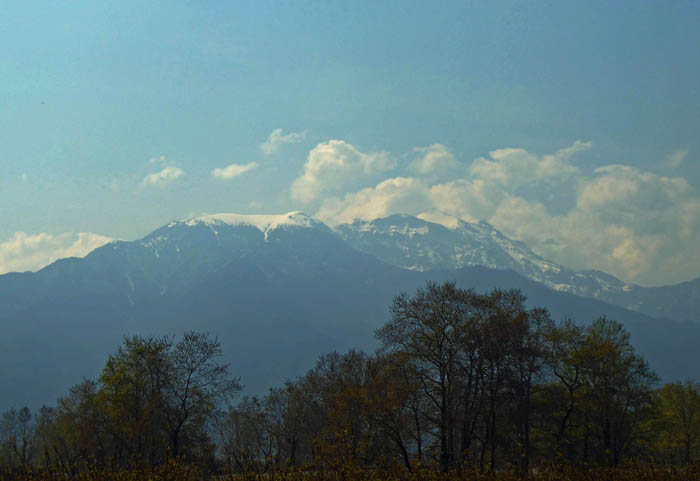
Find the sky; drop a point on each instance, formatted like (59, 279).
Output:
(571, 126)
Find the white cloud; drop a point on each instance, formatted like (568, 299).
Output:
(628, 189)
(512, 168)
(634, 224)
(163, 176)
(24, 177)
(399, 195)
(675, 159)
(470, 200)
(158, 160)
(234, 170)
(567, 153)
(168, 172)
(25, 252)
(331, 165)
(276, 140)
(433, 158)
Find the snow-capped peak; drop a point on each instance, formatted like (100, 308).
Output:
(437, 217)
(263, 222)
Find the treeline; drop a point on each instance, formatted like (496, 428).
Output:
(155, 400)
(463, 380)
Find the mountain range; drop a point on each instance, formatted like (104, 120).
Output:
(437, 241)
(279, 291)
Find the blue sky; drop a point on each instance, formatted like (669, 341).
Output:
(383, 107)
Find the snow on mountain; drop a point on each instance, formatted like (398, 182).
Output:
(231, 232)
(418, 243)
(264, 223)
(430, 241)
(179, 253)
(437, 241)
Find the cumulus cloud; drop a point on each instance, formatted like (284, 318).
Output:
(234, 170)
(637, 225)
(163, 176)
(516, 167)
(399, 195)
(277, 139)
(25, 252)
(331, 165)
(675, 159)
(627, 189)
(433, 158)
(625, 222)
(468, 199)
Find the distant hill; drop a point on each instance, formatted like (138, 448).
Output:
(277, 290)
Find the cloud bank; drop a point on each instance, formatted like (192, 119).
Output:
(638, 225)
(25, 252)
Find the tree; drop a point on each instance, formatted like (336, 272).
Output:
(245, 435)
(156, 389)
(80, 429)
(477, 359)
(558, 400)
(394, 403)
(195, 383)
(679, 422)
(427, 328)
(603, 390)
(618, 388)
(17, 437)
(155, 398)
(132, 394)
(529, 352)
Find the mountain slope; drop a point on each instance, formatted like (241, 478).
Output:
(434, 241)
(277, 294)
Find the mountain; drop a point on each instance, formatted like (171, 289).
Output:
(278, 291)
(437, 241)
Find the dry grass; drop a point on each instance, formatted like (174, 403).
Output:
(175, 471)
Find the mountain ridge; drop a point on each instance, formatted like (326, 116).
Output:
(459, 244)
(417, 243)
(276, 302)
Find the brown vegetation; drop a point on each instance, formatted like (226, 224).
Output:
(465, 386)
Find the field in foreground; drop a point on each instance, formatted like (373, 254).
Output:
(176, 471)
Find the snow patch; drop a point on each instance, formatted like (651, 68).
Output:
(437, 217)
(264, 223)
(408, 231)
